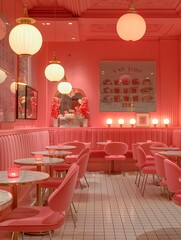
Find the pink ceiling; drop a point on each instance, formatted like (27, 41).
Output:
(96, 19)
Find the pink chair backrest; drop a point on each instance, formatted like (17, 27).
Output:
(141, 157)
(85, 150)
(82, 162)
(116, 148)
(61, 198)
(173, 173)
(79, 147)
(159, 165)
(146, 147)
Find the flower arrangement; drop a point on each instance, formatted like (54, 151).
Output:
(82, 110)
(55, 108)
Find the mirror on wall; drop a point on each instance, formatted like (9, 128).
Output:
(70, 101)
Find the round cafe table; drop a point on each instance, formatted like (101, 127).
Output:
(25, 177)
(56, 154)
(38, 163)
(5, 199)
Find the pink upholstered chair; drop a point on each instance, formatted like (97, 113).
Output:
(54, 182)
(80, 146)
(173, 173)
(115, 152)
(45, 218)
(160, 170)
(145, 167)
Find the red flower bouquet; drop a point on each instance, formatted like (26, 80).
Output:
(55, 109)
(82, 110)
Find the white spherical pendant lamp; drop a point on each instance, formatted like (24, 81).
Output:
(131, 26)
(25, 39)
(64, 87)
(13, 87)
(3, 76)
(54, 72)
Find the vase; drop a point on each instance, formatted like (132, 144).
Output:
(85, 122)
(55, 122)
(81, 122)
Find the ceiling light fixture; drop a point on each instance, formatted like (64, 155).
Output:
(3, 76)
(131, 26)
(25, 39)
(64, 87)
(54, 72)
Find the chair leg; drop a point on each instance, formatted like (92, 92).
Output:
(144, 183)
(86, 181)
(73, 205)
(73, 218)
(137, 174)
(50, 235)
(139, 178)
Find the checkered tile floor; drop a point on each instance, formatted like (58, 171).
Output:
(113, 208)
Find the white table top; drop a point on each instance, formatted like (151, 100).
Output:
(5, 199)
(44, 161)
(165, 148)
(25, 177)
(60, 147)
(54, 154)
(171, 153)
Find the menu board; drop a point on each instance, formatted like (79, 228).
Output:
(127, 86)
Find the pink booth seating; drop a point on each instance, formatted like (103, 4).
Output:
(94, 135)
(20, 145)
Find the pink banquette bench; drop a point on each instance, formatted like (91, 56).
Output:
(94, 135)
(20, 144)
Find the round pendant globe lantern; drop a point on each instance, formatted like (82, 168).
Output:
(25, 39)
(54, 72)
(64, 87)
(3, 76)
(131, 26)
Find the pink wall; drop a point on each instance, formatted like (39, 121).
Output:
(81, 62)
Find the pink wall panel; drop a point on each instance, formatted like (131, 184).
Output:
(81, 62)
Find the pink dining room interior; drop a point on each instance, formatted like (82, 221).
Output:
(92, 38)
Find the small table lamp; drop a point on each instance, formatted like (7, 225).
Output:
(109, 122)
(38, 157)
(120, 122)
(166, 122)
(13, 172)
(132, 121)
(155, 122)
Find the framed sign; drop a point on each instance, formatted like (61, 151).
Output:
(142, 119)
(31, 103)
(127, 86)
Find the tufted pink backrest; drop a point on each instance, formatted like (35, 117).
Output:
(94, 135)
(159, 165)
(61, 198)
(116, 148)
(21, 145)
(173, 173)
